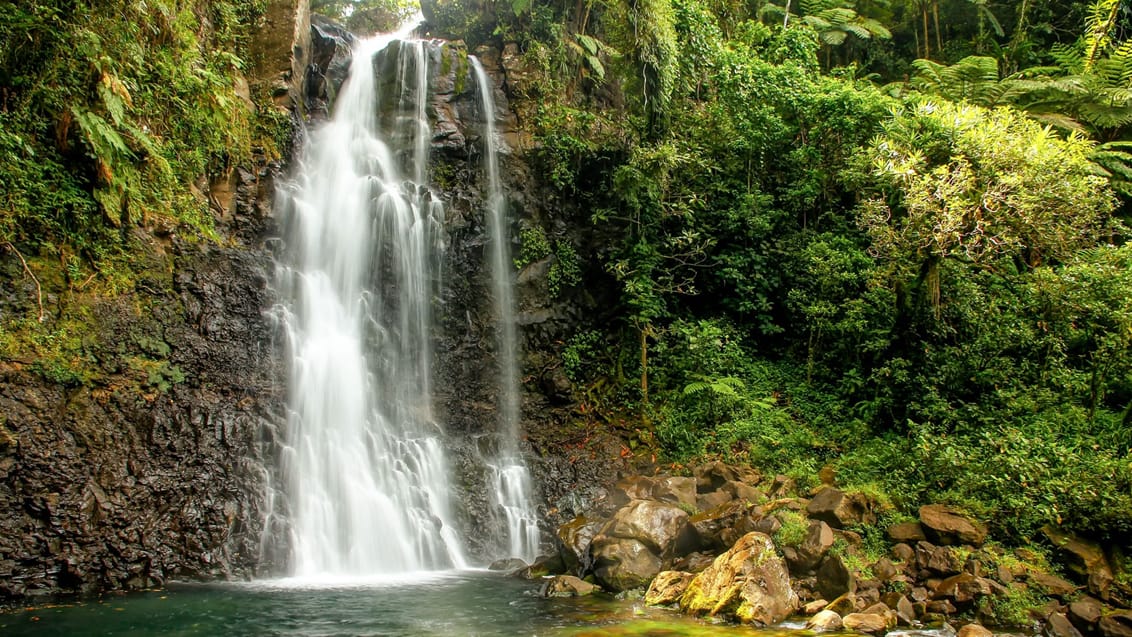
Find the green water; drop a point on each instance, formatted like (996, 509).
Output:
(469, 603)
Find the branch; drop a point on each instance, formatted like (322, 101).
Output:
(38, 289)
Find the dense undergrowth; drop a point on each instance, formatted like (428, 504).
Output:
(928, 296)
(115, 117)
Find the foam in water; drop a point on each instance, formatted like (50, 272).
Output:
(365, 464)
(510, 478)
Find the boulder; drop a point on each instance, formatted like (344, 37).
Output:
(903, 553)
(543, 566)
(808, 554)
(865, 623)
(815, 607)
(963, 588)
(884, 569)
(1083, 558)
(713, 499)
(575, 537)
(1058, 625)
(671, 489)
(974, 630)
(668, 587)
(748, 583)
(713, 475)
(824, 621)
(566, 586)
(1117, 624)
(834, 578)
(693, 562)
(840, 509)
(946, 525)
(622, 564)
(709, 526)
(844, 604)
(676, 490)
(1051, 584)
(1085, 613)
(906, 532)
(660, 526)
(940, 560)
(781, 487)
(743, 492)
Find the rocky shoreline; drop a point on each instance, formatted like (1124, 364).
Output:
(729, 544)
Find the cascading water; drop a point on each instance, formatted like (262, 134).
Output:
(365, 465)
(510, 477)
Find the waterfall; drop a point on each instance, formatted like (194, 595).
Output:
(510, 478)
(365, 467)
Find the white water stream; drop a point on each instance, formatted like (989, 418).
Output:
(366, 472)
(510, 478)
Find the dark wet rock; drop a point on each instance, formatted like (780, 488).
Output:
(575, 537)
(668, 587)
(843, 604)
(947, 525)
(543, 566)
(331, 54)
(748, 583)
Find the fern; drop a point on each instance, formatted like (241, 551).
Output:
(722, 386)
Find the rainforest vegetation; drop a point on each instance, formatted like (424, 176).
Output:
(885, 237)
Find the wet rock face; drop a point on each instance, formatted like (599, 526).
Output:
(153, 470)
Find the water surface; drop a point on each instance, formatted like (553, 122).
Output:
(454, 604)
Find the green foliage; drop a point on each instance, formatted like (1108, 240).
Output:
(580, 354)
(566, 270)
(533, 246)
(1014, 606)
(794, 528)
(111, 111)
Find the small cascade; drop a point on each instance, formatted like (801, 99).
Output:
(510, 477)
(365, 466)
